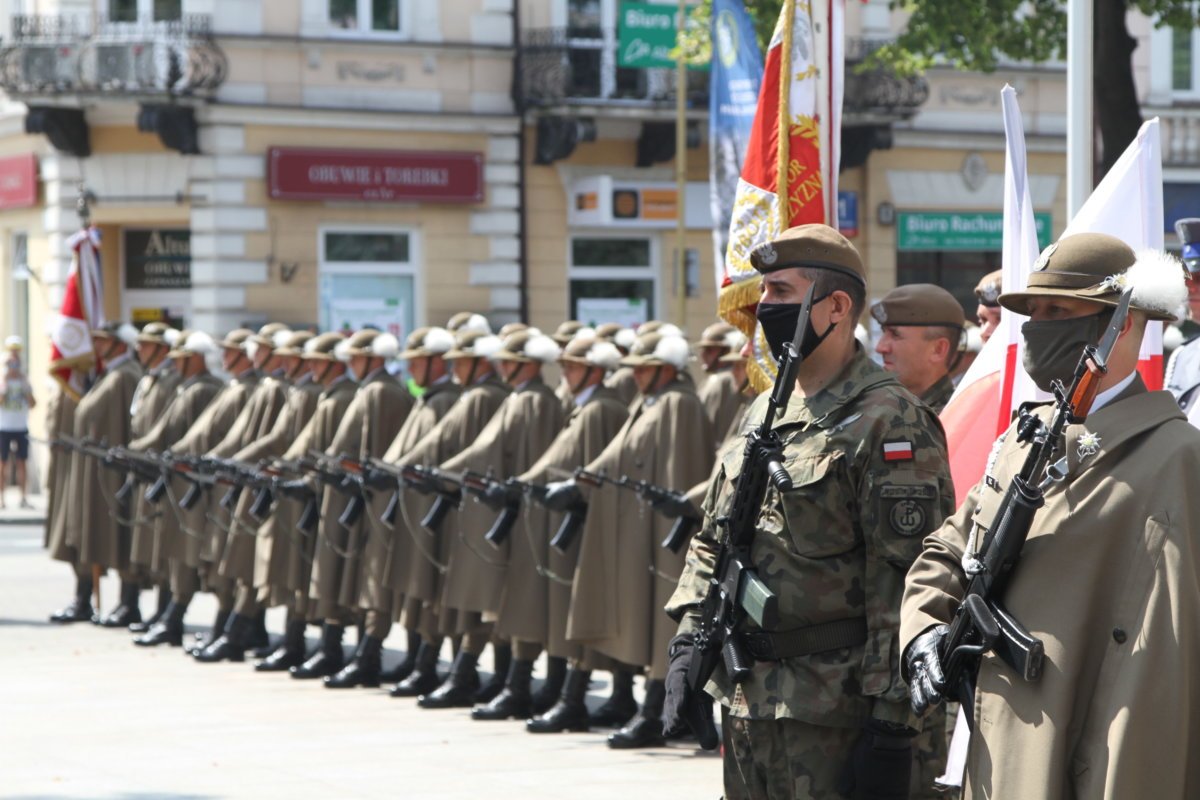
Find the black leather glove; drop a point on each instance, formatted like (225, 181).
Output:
(673, 505)
(562, 496)
(683, 708)
(296, 489)
(880, 765)
(923, 670)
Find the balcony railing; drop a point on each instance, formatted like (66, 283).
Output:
(579, 67)
(878, 93)
(1180, 134)
(76, 54)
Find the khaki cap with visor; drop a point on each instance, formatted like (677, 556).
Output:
(1094, 267)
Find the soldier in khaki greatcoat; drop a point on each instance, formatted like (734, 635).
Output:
(719, 393)
(1109, 577)
(824, 713)
(60, 421)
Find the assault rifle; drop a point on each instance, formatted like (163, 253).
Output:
(506, 498)
(981, 624)
(426, 480)
(735, 592)
(685, 524)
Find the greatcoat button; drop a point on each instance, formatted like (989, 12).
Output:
(1119, 635)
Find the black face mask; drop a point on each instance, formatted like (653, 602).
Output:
(1053, 347)
(778, 322)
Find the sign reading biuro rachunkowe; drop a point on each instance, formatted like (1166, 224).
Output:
(374, 176)
(983, 231)
(160, 258)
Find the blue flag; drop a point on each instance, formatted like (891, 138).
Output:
(737, 70)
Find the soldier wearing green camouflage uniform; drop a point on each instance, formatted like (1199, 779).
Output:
(824, 713)
(922, 327)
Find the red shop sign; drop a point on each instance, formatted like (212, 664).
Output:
(18, 181)
(379, 176)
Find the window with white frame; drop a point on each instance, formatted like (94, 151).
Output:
(368, 280)
(145, 10)
(613, 279)
(19, 262)
(365, 16)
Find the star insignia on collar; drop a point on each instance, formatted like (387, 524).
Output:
(1043, 260)
(1089, 444)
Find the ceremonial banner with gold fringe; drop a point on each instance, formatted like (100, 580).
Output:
(796, 135)
(82, 310)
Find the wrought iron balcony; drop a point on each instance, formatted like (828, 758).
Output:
(74, 55)
(878, 95)
(564, 67)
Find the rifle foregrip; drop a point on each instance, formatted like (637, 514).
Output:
(156, 491)
(502, 527)
(568, 531)
(437, 514)
(738, 663)
(389, 515)
(261, 507)
(681, 534)
(230, 498)
(352, 512)
(192, 497)
(308, 517)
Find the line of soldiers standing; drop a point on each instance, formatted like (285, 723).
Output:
(307, 480)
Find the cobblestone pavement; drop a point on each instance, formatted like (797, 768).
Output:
(85, 714)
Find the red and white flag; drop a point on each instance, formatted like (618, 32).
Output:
(1127, 204)
(796, 135)
(82, 310)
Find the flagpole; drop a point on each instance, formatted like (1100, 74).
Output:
(681, 176)
(1080, 136)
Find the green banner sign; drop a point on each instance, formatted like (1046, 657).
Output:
(920, 230)
(645, 36)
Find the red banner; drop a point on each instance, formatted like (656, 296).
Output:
(18, 181)
(376, 176)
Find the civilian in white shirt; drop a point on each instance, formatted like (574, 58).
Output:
(16, 399)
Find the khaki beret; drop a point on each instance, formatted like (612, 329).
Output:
(1097, 267)
(813, 245)
(919, 304)
(321, 347)
(236, 339)
(987, 291)
(293, 345)
(529, 346)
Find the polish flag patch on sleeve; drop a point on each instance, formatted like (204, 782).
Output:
(898, 450)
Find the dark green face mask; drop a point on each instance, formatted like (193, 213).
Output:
(1053, 348)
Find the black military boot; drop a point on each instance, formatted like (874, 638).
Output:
(168, 630)
(231, 644)
(459, 688)
(551, 689)
(501, 661)
(406, 665)
(570, 713)
(328, 658)
(127, 611)
(289, 653)
(620, 707)
(424, 678)
(258, 639)
(164, 599)
(203, 640)
(514, 700)
(363, 670)
(646, 729)
(80, 607)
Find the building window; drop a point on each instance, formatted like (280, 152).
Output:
(1181, 59)
(145, 10)
(368, 16)
(612, 279)
(368, 280)
(19, 308)
(958, 272)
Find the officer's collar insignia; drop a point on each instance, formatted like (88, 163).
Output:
(1043, 260)
(1089, 444)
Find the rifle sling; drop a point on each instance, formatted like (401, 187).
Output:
(806, 641)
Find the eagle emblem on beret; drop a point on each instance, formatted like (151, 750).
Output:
(1043, 260)
(766, 254)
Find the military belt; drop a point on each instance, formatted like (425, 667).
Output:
(834, 635)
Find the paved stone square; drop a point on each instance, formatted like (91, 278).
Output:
(85, 714)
